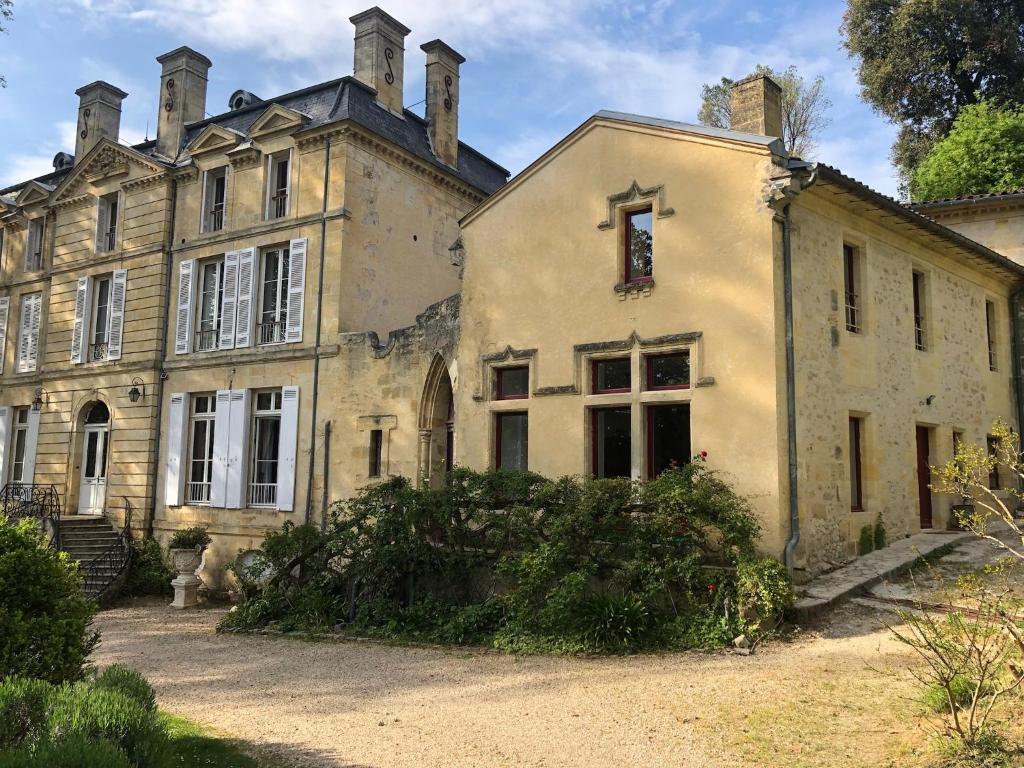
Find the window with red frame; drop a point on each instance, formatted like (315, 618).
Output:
(611, 375)
(639, 245)
(511, 440)
(668, 437)
(512, 383)
(671, 371)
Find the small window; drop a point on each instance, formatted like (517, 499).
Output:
(920, 331)
(611, 439)
(265, 449)
(34, 246)
(278, 188)
(611, 375)
(273, 297)
(639, 245)
(214, 197)
(512, 383)
(990, 333)
(856, 476)
(376, 446)
(100, 325)
(851, 263)
(668, 437)
(200, 461)
(511, 440)
(19, 445)
(670, 371)
(106, 225)
(992, 444)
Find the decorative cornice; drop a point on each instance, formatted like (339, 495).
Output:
(78, 201)
(147, 181)
(244, 156)
(317, 137)
(636, 192)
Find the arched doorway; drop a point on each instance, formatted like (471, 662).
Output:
(437, 425)
(92, 483)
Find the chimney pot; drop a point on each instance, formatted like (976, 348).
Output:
(756, 106)
(380, 55)
(443, 100)
(99, 115)
(182, 97)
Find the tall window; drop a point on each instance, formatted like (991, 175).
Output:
(214, 197)
(668, 437)
(920, 331)
(851, 259)
(273, 297)
(265, 449)
(34, 246)
(639, 245)
(376, 451)
(100, 325)
(992, 443)
(855, 457)
(612, 442)
(211, 298)
(200, 462)
(990, 334)
(278, 192)
(19, 446)
(106, 225)
(512, 435)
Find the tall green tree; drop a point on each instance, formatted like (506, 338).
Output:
(922, 61)
(984, 152)
(804, 105)
(6, 13)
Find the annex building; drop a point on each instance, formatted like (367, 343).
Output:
(261, 312)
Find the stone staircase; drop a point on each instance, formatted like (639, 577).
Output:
(97, 546)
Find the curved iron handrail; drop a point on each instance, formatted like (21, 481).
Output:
(115, 559)
(42, 502)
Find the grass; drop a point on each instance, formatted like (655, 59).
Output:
(193, 746)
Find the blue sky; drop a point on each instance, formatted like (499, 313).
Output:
(535, 69)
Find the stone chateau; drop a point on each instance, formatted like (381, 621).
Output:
(261, 312)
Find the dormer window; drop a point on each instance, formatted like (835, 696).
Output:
(34, 246)
(214, 197)
(639, 245)
(106, 225)
(278, 188)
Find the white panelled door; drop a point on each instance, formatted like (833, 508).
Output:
(94, 470)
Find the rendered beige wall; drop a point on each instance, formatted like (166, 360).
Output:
(998, 226)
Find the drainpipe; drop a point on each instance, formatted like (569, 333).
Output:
(1016, 322)
(161, 374)
(316, 352)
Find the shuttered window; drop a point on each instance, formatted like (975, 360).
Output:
(211, 299)
(200, 447)
(264, 452)
(278, 184)
(99, 317)
(34, 246)
(106, 222)
(245, 297)
(183, 316)
(28, 332)
(5, 310)
(273, 296)
(214, 199)
(174, 475)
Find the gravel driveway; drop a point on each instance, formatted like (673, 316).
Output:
(822, 700)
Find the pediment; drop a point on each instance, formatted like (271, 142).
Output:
(107, 160)
(213, 138)
(33, 192)
(277, 119)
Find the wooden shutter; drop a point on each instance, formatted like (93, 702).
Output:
(177, 429)
(31, 443)
(237, 449)
(118, 291)
(296, 289)
(221, 435)
(80, 332)
(229, 302)
(246, 293)
(286, 449)
(183, 327)
(6, 416)
(5, 310)
(102, 217)
(28, 337)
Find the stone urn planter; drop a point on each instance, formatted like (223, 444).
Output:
(186, 550)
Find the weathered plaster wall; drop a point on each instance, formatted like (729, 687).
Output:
(998, 226)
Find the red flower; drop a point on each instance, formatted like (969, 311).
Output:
(711, 588)
(703, 454)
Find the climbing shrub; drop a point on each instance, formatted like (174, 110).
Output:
(148, 573)
(44, 617)
(521, 562)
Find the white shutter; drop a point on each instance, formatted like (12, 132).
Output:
(229, 302)
(237, 449)
(296, 289)
(80, 333)
(286, 448)
(246, 288)
(119, 288)
(28, 339)
(176, 432)
(6, 415)
(221, 440)
(183, 328)
(202, 203)
(102, 218)
(31, 442)
(5, 310)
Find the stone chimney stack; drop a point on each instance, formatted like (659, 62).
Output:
(182, 97)
(443, 100)
(99, 115)
(380, 55)
(756, 103)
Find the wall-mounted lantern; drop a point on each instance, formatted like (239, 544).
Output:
(135, 393)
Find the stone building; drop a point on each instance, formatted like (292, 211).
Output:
(262, 312)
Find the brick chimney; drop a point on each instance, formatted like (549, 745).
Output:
(182, 97)
(380, 55)
(756, 103)
(443, 100)
(99, 115)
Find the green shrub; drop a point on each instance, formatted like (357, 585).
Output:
(44, 617)
(118, 677)
(764, 591)
(24, 708)
(72, 752)
(866, 542)
(189, 538)
(148, 573)
(616, 624)
(879, 535)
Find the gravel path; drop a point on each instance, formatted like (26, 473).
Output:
(822, 700)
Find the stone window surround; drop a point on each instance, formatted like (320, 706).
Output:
(386, 424)
(862, 283)
(620, 204)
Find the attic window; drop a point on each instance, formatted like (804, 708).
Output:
(639, 245)
(106, 223)
(214, 196)
(278, 187)
(34, 246)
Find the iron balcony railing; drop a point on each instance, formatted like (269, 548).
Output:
(852, 313)
(109, 239)
(207, 340)
(920, 337)
(99, 351)
(215, 218)
(34, 262)
(262, 494)
(279, 204)
(198, 492)
(270, 333)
